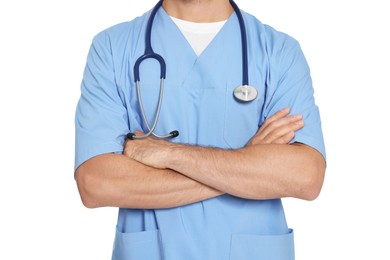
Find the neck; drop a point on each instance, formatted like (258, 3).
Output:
(200, 11)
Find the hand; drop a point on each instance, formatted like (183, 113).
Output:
(278, 129)
(149, 151)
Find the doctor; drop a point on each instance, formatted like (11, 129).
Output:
(214, 191)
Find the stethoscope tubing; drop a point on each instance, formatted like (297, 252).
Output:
(150, 54)
(244, 44)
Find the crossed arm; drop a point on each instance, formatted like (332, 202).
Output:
(158, 174)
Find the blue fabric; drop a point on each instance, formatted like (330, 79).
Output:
(198, 102)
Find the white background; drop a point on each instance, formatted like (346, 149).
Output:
(43, 50)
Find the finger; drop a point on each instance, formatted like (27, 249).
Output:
(285, 139)
(283, 131)
(279, 135)
(279, 114)
(280, 123)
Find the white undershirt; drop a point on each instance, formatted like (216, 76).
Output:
(199, 35)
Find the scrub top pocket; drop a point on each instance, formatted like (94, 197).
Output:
(262, 247)
(137, 246)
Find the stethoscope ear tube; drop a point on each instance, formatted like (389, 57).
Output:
(132, 136)
(174, 133)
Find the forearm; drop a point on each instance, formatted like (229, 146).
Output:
(118, 181)
(268, 167)
(254, 172)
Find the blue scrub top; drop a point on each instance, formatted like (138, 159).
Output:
(199, 103)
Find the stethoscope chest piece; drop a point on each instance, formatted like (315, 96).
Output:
(245, 93)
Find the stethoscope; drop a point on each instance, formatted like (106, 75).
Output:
(242, 93)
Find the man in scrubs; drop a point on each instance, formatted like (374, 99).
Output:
(214, 191)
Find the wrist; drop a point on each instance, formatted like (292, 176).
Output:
(173, 155)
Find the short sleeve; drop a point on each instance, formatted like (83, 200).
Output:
(291, 86)
(101, 120)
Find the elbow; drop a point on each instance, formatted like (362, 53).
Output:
(87, 187)
(311, 191)
(313, 181)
